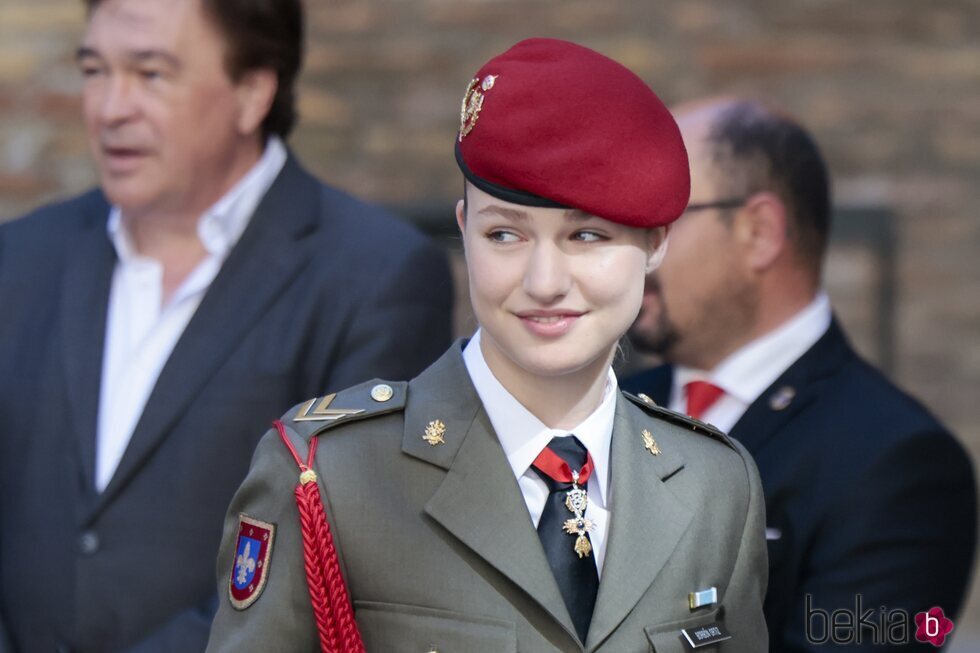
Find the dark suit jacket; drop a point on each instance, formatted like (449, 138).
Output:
(867, 493)
(440, 553)
(320, 292)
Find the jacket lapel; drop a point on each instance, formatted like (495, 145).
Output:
(648, 521)
(792, 391)
(265, 259)
(479, 502)
(84, 305)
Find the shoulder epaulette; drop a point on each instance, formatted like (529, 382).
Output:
(696, 425)
(359, 402)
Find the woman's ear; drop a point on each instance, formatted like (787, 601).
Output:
(656, 246)
(461, 216)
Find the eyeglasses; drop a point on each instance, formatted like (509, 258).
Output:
(732, 203)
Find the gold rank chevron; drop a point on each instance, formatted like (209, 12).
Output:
(322, 412)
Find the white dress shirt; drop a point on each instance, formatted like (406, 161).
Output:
(141, 331)
(747, 372)
(523, 436)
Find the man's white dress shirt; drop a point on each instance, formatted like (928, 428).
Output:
(141, 331)
(523, 436)
(746, 373)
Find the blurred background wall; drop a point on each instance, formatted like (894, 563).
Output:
(890, 88)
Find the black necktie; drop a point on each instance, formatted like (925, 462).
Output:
(577, 576)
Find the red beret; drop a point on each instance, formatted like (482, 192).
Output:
(551, 123)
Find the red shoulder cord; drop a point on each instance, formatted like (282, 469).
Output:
(331, 604)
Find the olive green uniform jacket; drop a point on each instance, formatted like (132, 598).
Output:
(440, 554)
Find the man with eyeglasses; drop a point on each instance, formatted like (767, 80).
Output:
(870, 501)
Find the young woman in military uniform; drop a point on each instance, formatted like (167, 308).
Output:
(511, 497)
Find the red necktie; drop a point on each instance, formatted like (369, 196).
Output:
(701, 395)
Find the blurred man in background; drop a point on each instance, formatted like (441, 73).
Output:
(152, 328)
(870, 501)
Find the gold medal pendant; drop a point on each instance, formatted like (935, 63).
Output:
(580, 526)
(577, 500)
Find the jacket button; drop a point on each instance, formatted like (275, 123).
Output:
(88, 543)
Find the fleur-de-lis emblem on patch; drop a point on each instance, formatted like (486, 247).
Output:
(649, 443)
(434, 433)
(245, 564)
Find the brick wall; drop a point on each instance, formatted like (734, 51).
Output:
(891, 89)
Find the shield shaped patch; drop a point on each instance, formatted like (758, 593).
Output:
(250, 568)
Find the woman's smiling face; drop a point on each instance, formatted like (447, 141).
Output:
(552, 289)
